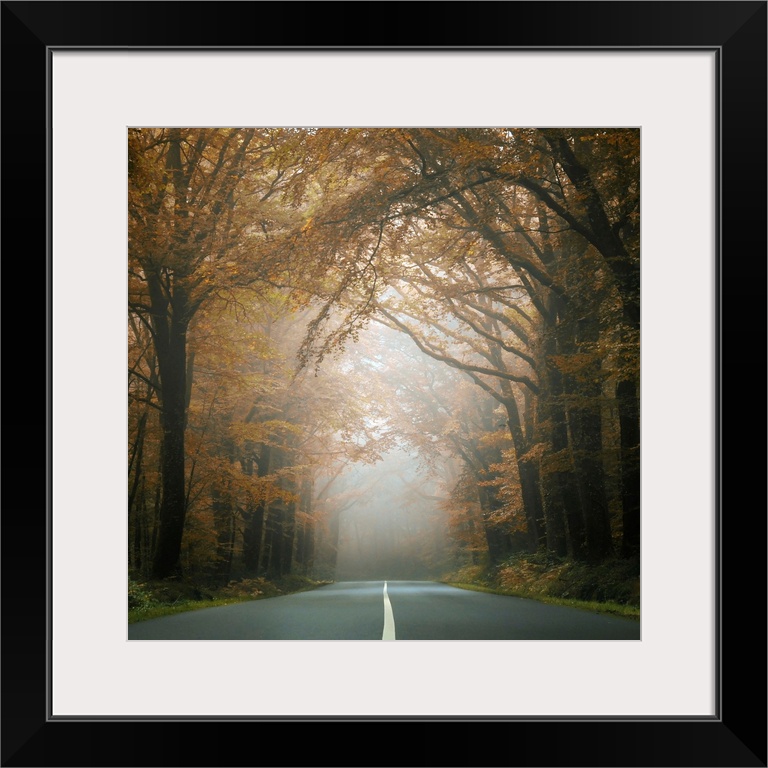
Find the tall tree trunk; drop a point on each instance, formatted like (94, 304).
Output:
(253, 533)
(255, 517)
(629, 419)
(528, 473)
(288, 538)
(136, 560)
(134, 513)
(156, 516)
(494, 538)
(304, 539)
(171, 358)
(334, 526)
(563, 491)
(584, 391)
(560, 485)
(273, 539)
(281, 521)
(554, 514)
(223, 521)
(301, 543)
(135, 465)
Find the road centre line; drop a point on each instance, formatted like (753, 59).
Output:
(389, 619)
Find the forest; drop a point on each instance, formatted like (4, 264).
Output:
(404, 353)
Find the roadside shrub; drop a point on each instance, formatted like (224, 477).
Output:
(247, 588)
(616, 581)
(472, 574)
(139, 597)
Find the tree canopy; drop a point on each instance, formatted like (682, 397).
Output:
(409, 347)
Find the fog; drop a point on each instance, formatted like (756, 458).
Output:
(385, 515)
(395, 529)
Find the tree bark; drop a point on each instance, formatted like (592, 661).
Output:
(561, 486)
(497, 542)
(255, 517)
(530, 484)
(223, 520)
(171, 344)
(629, 419)
(584, 392)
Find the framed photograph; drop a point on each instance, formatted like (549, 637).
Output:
(690, 77)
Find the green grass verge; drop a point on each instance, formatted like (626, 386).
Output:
(613, 609)
(161, 609)
(153, 600)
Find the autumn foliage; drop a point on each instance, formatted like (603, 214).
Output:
(361, 352)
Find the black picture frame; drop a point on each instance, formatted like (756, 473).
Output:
(736, 736)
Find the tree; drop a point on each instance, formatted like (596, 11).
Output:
(507, 256)
(513, 188)
(188, 242)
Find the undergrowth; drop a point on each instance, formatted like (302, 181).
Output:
(151, 599)
(610, 587)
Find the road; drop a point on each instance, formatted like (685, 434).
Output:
(395, 610)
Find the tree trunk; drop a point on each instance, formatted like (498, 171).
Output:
(135, 465)
(254, 519)
(223, 521)
(288, 531)
(584, 427)
(334, 525)
(495, 539)
(560, 483)
(273, 539)
(253, 533)
(171, 359)
(528, 473)
(136, 560)
(584, 392)
(281, 518)
(554, 514)
(304, 539)
(134, 514)
(629, 418)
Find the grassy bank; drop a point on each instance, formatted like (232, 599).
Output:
(612, 587)
(153, 599)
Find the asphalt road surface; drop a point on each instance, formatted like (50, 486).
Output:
(394, 610)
